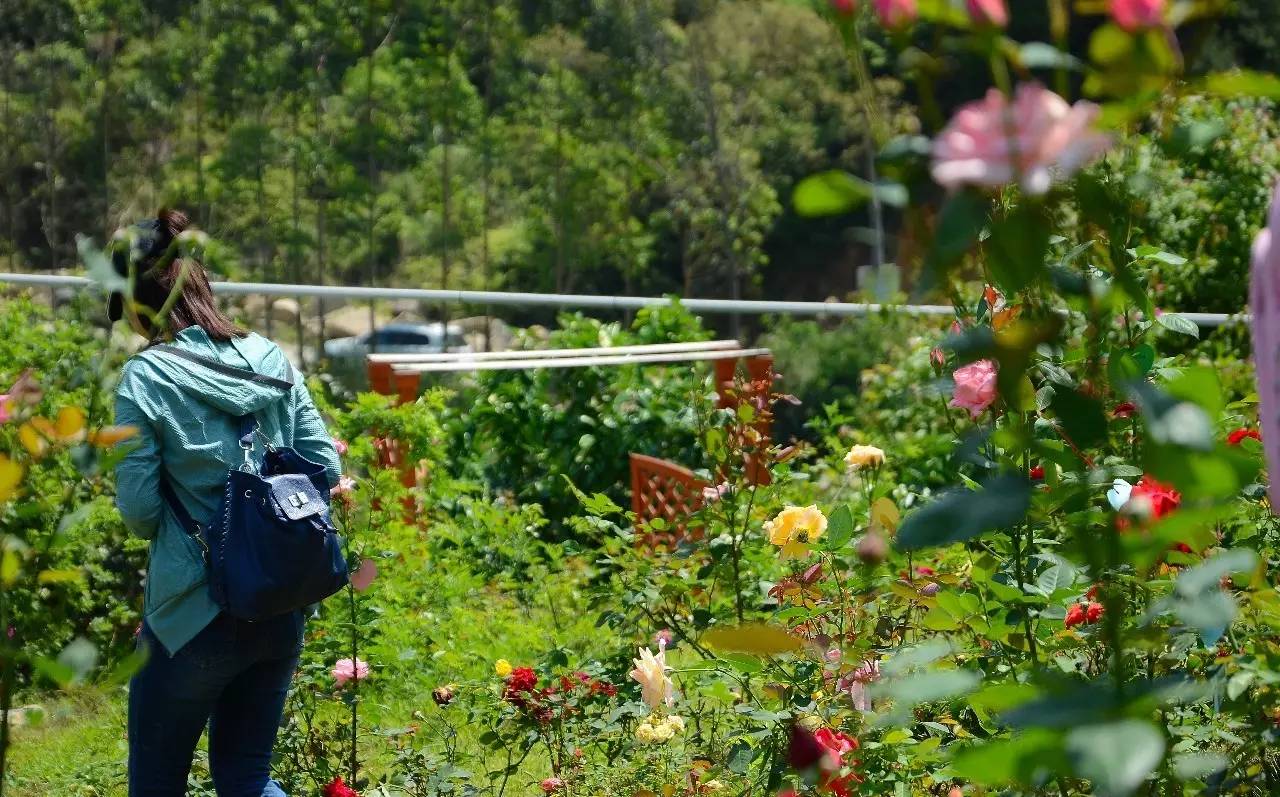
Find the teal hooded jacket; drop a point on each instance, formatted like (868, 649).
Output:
(186, 417)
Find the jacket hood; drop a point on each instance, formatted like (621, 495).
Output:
(227, 393)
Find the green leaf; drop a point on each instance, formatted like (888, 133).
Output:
(1017, 248)
(79, 658)
(1206, 576)
(1243, 83)
(959, 223)
(1175, 322)
(927, 687)
(1060, 576)
(99, 267)
(1117, 756)
(1022, 758)
(1157, 254)
(1039, 55)
(1210, 614)
(1194, 766)
(741, 754)
(830, 193)
(1171, 422)
(961, 515)
(839, 528)
(1082, 417)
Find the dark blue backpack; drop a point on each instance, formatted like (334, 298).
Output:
(272, 547)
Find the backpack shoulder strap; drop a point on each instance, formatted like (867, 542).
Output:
(224, 369)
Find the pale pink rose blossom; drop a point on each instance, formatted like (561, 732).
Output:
(345, 670)
(1135, 15)
(988, 12)
(896, 13)
(989, 143)
(341, 445)
(345, 485)
(975, 387)
(855, 684)
(1264, 323)
(364, 575)
(713, 494)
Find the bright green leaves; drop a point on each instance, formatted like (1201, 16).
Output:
(836, 192)
(1116, 756)
(1023, 758)
(964, 514)
(1017, 248)
(830, 194)
(908, 679)
(1129, 65)
(1243, 83)
(839, 529)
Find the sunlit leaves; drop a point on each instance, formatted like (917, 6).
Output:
(1025, 757)
(10, 477)
(1243, 83)
(830, 193)
(757, 639)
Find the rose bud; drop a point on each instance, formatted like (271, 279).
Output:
(873, 548)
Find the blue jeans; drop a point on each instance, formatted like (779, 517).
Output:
(234, 677)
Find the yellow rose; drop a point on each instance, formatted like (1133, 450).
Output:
(663, 733)
(860, 457)
(795, 528)
(502, 667)
(676, 723)
(644, 733)
(712, 785)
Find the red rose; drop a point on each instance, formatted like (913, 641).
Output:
(844, 7)
(338, 788)
(838, 745)
(1075, 615)
(1080, 614)
(1161, 497)
(1124, 410)
(1093, 613)
(1036, 473)
(1237, 437)
(522, 679)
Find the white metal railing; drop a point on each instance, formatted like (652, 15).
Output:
(586, 359)
(586, 301)
(537, 354)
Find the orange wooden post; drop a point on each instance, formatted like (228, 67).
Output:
(380, 377)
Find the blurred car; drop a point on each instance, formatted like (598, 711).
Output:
(347, 355)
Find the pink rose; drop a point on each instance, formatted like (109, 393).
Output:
(345, 670)
(988, 12)
(552, 785)
(1264, 323)
(1050, 138)
(896, 13)
(6, 407)
(711, 495)
(1138, 14)
(364, 575)
(341, 445)
(975, 387)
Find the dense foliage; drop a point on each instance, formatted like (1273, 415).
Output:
(591, 147)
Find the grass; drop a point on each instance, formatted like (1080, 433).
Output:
(434, 623)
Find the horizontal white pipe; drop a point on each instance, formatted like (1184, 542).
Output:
(577, 362)
(499, 298)
(534, 354)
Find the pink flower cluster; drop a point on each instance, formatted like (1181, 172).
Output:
(991, 142)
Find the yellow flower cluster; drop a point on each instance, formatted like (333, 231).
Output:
(659, 731)
(795, 528)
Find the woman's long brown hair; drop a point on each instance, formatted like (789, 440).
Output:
(195, 305)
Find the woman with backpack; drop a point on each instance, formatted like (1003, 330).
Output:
(209, 400)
